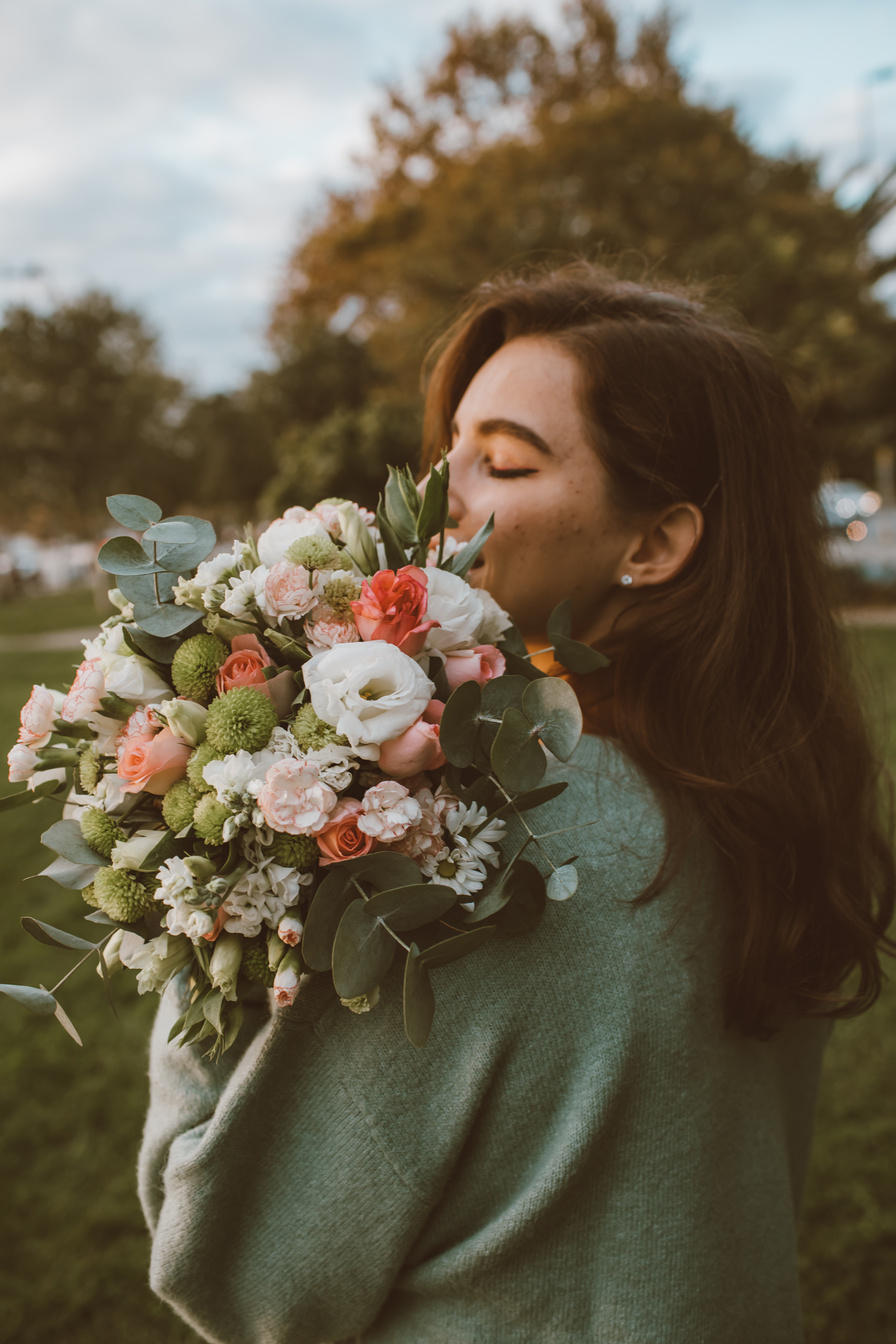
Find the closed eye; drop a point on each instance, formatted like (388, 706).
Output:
(510, 472)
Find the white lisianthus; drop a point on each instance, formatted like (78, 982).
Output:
(156, 960)
(465, 614)
(128, 675)
(276, 540)
(134, 852)
(185, 718)
(369, 692)
(245, 593)
(224, 966)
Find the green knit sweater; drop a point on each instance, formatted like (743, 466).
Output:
(581, 1152)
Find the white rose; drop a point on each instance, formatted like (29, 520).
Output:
(460, 610)
(128, 675)
(276, 540)
(368, 692)
(185, 718)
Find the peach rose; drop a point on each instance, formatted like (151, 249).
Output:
(244, 666)
(417, 748)
(88, 689)
(480, 664)
(340, 839)
(37, 717)
(153, 763)
(392, 607)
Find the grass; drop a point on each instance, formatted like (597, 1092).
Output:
(70, 610)
(76, 1250)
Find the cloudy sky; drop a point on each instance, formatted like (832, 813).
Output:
(168, 151)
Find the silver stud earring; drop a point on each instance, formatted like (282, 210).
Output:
(626, 580)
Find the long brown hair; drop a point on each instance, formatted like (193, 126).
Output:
(733, 690)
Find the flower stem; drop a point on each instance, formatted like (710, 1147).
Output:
(98, 948)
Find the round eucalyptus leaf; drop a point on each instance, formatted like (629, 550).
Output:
(578, 657)
(36, 1000)
(562, 883)
(72, 876)
(124, 555)
(168, 619)
(362, 952)
(169, 532)
(526, 906)
(460, 723)
(160, 649)
(133, 511)
(552, 706)
(517, 757)
(141, 590)
(337, 891)
(452, 949)
(502, 692)
(183, 558)
(419, 1001)
(410, 907)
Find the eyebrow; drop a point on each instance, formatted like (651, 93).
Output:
(511, 428)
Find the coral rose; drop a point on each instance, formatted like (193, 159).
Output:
(417, 748)
(480, 665)
(153, 764)
(244, 666)
(392, 607)
(341, 839)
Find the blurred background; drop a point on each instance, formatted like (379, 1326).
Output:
(228, 233)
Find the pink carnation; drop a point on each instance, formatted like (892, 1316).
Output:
(37, 717)
(325, 629)
(88, 688)
(294, 800)
(425, 839)
(388, 811)
(22, 761)
(289, 591)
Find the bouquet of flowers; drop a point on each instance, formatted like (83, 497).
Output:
(297, 756)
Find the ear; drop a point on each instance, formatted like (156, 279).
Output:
(662, 551)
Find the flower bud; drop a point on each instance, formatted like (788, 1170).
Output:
(185, 718)
(276, 949)
(290, 930)
(110, 955)
(133, 853)
(200, 869)
(358, 539)
(224, 966)
(286, 981)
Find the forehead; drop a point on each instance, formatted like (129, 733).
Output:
(531, 380)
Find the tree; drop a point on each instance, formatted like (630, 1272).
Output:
(519, 147)
(85, 411)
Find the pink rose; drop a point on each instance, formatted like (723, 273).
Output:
(294, 800)
(340, 839)
(22, 761)
(479, 664)
(388, 811)
(37, 717)
(244, 666)
(289, 591)
(417, 748)
(153, 763)
(392, 607)
(88, 688)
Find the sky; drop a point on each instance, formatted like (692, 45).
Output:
(168, 152)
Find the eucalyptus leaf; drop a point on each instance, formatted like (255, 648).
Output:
(524, 802)
(169, 532)
(159, 649)
(168, 619)
(39, 1001)
(362, 952)
(494, 899)
(45, 933)
(569, 652)
(502, 692)
(412, 906)
(336, 892)
(66, 1023)
(517, 666)
(562, 883)
(459, 725)
(511, 641)
(100, 917)
(124, 555)
(140, 589)
(461, 562)
(13, 800)
(419, 1001)
(183, 559)
(133, 511)
(528, 898)
(552, 705)
(517, 757)
(65, 838)
(72, 876)
(452, 949)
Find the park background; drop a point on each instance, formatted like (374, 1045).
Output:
(558, 133)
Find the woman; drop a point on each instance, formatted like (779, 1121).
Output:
(607, 1134)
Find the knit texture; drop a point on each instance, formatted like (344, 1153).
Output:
(581, 1152)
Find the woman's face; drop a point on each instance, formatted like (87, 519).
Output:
(520, 450)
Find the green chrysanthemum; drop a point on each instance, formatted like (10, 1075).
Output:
(294, 851)
(240, 720)
(312, 733)
(312, 552)
(100, 831)
(179, 804)
(340, 593)
(195, 667)
(254, 965)
(121, 895)
(90, 895)
(204, 753)
(209, 819)
(89, 769)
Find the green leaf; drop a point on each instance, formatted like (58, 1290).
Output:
(39, 1001)
(459, 564)
(572, 654)
(65, 838)
(141, 590)
(562, 883)
(183, 558)
(169, 532)
(398, 510)
(45, 933)
(124, 555)
(434, 511)
(511, 641)
(524, 802)
(419, 1001)
(177, 1028)
(153, 646)
(362, 952)
(13, 800)
(133, 511)
(167, 848)
(233, 1020)
(410, 907)
(115, 708)
(72, 876)
(517, 757)
(553, 707)
(395, 556)
(336, 892)
(168, 619)
(518, 666)
(104, 973)
(528, 898)
(452, 949)
(502, 692)
(212, 1009)
(497, 894)
(100, 917)
(460, 724)
(66, 1023)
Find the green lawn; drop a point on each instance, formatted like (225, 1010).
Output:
(70, 610)
(74, 1268)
